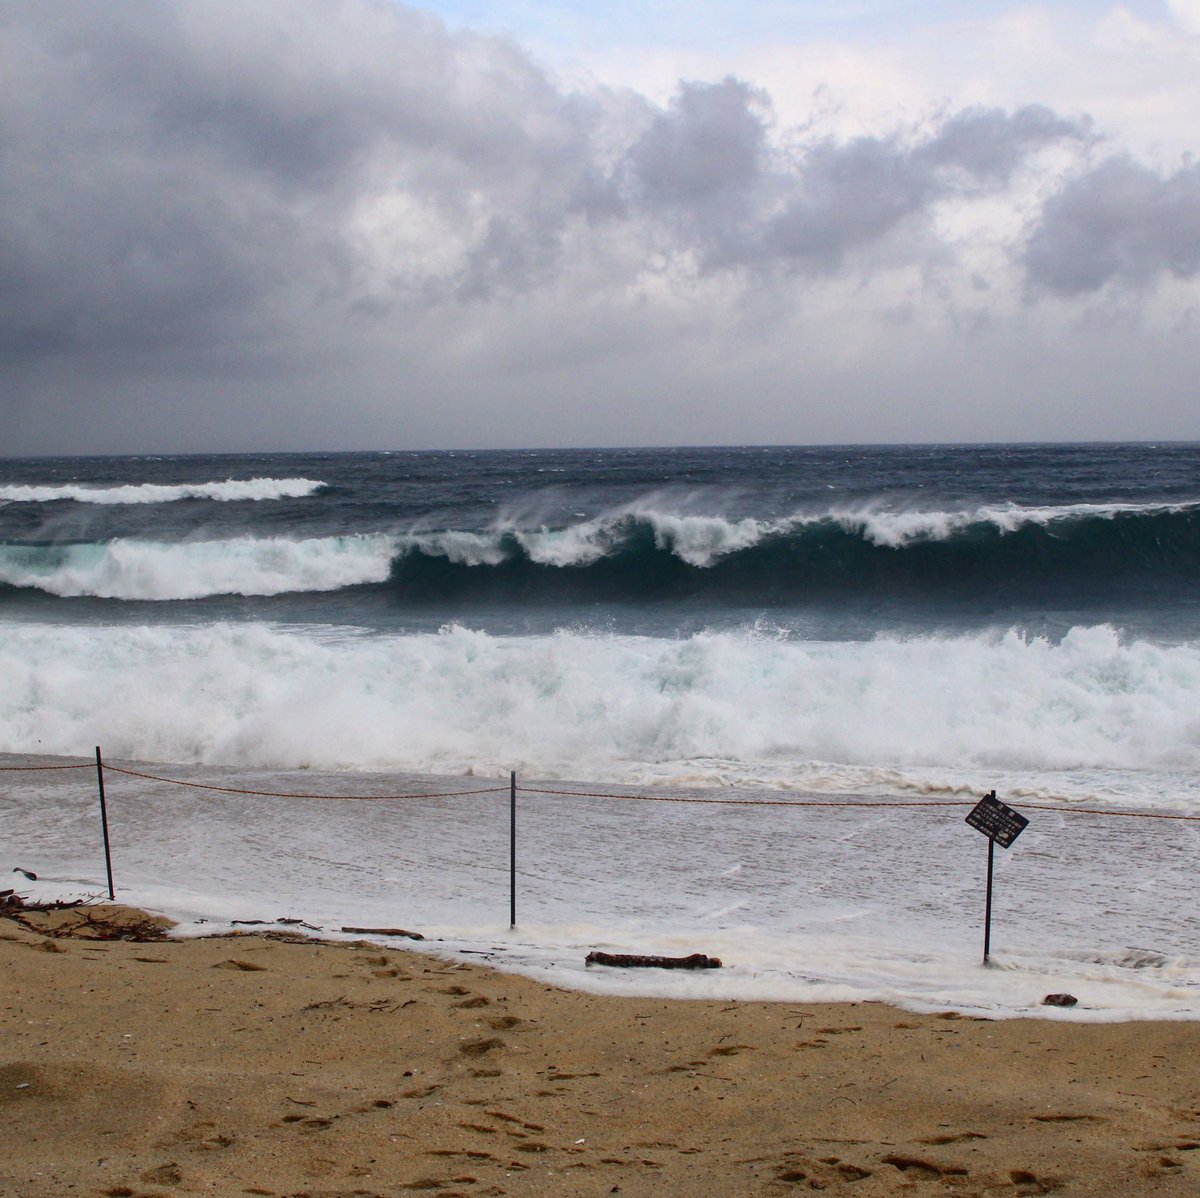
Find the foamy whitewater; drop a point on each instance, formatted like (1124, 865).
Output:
(811, 633)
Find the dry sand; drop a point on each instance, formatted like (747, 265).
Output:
(252, 1065)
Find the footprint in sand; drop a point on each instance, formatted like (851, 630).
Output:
(920, 1167)
(163, 1175)
(1031, 1184)
(953, 1138)
(478, 1048)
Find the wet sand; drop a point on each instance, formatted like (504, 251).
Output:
(258, 1065)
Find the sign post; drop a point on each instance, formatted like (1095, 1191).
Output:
(104, 823)
(512, 849)
(1001, 825)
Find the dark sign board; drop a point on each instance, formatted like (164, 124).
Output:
(997, 821)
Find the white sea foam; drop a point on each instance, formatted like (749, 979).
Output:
(148, 570)
(230, 490)
(1089, 718)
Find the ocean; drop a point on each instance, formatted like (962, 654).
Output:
(749, 695)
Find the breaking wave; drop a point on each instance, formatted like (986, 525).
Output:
(644, 554)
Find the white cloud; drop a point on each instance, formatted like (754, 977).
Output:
(1187, 14)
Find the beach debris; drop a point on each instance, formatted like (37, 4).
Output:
(26, 872)
(287, 922)
(384, 932)
(1059, 1000)
(83, 919)
(244, 966)
(639, 961)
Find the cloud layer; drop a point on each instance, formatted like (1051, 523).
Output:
(276, 222)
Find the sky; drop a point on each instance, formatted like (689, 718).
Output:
(269, 225)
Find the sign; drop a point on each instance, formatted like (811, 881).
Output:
(997, 821)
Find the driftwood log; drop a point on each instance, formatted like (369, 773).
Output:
(635, 961)
(384, 932)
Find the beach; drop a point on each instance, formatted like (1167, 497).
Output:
(257, 1063)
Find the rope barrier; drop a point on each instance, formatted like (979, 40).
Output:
(1111, 814)
(871, 804)
(275, 794)
(857, 803)
(595, 794)
(18, 769)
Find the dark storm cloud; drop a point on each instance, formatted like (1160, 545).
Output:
(182, 180)
(1119, 222)
(183, 173)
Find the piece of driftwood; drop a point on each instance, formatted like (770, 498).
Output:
(636, 961)
(384, 932)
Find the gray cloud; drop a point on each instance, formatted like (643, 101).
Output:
(988, 145)
(708, 144)
(852, 193)
(706, 161)
(1119, 222)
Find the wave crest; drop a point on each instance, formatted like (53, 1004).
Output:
(231, 490)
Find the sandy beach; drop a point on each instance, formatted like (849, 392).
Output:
(256, 1064)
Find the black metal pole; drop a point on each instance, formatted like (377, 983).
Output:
(512, 849)
(104, 822)
(987, 918)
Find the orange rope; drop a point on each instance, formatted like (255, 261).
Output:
(856, 803)
(1114, 814)
(593, 794)
(14, 769)
(642, 798)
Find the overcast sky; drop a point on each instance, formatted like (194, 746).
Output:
(358, 224)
